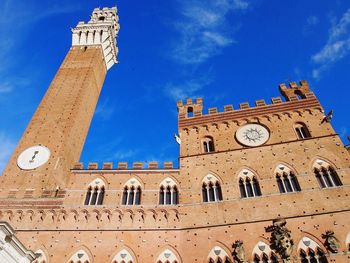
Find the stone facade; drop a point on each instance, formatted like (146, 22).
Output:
(226, 202)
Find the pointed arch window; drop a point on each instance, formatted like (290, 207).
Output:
(123, 257)
(248, 184)
(132, 193)
(312, 257)
(263, 254)
(310, 251)
(302, 131)
(80, 257)
(211, 189)
(167, 256)
(168, 193)
(208, 144)
(286, 180)
(95, 193)
(218, 254)
(326, 175)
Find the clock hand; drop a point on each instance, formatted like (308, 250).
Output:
(33, 157)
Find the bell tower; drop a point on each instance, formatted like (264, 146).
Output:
(55, 136)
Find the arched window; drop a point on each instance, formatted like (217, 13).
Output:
(310, 251)
(262, 253)
(211, 189)
(132, 193)
(95, 193)
(123, 256)
(218, 254)
(326, 175)
(248, 184)
(80, 257)
(286, 180)
(168, 193)
(167, 256)
(208, 144)
(302, 131)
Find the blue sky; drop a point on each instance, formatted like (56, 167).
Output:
(226, 51)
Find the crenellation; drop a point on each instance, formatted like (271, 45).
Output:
(259, 103)
(153, 165)
(78, 166)
(276, 100)
(293, 85)
(212, 111)
(137, 165)
(122, 165)
(293, 98)
(307, 100)
(309, 95)
(190, 109)
(244, 105)
(168, 165)
(228, 108)
(107, 166)
(294, 89)
(93, 166)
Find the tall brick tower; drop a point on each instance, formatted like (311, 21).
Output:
(55, 136)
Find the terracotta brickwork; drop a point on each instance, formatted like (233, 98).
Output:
(222, 191)
(61, 121)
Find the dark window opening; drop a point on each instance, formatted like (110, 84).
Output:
(190, 113)
(125, 195)
(205, 193)
(302, 131)
(88, 196)
(101, 196)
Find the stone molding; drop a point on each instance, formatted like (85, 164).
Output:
(11, 249)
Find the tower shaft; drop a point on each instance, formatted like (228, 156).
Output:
(63, 117)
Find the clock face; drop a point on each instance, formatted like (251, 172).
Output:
(33, 157)
(252, 135)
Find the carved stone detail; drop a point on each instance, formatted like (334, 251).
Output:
(331, 242)
(281, 239)
(238, 252)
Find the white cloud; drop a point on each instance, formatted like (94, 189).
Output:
(336, 48)
(7, 146)
(204, 29)
(187, 89)
(17, 18)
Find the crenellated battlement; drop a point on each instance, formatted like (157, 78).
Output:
(295, 90)
(296, 96)
(153, 165)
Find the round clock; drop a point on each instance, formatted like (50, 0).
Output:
(33, 157)
(252, 134)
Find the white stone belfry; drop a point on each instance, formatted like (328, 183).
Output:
(102, 29)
